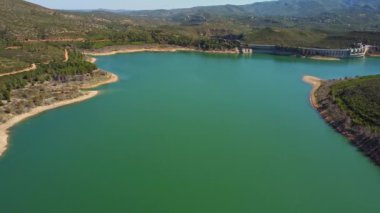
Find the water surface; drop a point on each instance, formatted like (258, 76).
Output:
(188, 132)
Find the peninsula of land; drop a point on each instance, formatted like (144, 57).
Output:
(351, 107)
(79, 96)
(5, 127)
(60, 90)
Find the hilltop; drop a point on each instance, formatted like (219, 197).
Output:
(23, 20)
(326, 14)
(317, 23)
(308, 8)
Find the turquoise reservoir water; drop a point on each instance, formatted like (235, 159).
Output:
(187, 132)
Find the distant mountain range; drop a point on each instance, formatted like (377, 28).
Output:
(297, 8)
(343, 14)
(307, 8)
(25, 20)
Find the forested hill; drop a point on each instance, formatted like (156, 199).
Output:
(24, 20)
(297, 8)
(309, 23)
(307, 8)
(349, 14)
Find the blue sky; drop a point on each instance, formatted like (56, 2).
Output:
(133, 4)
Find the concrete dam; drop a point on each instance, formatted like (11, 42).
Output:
(357, 52)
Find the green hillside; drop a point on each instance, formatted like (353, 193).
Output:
(327, 14)
(310, 23)
(24, 20)
(308, 8)
(360, 98)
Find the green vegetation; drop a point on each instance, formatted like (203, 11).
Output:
(57, 71)
(33, 34)
(360, 99)
(332, 15)
(141, 37)
(23, 20)
(29, 53)
(352, 107)
(8, 65)
(310, 23)
(23, 55)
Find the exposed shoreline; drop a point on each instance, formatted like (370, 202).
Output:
(113, 79)
(91, 60)
(5, 127)
(112, 50)
(137, 50)
(362, 142)
(323, 58)
(375, 55)
(315, 83)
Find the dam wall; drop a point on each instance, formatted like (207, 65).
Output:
(360, 51)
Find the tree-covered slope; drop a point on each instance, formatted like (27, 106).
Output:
(307, 8)
(360, 99)
(329, 14)
(23, 20)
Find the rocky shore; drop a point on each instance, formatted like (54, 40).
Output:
(362, 137)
